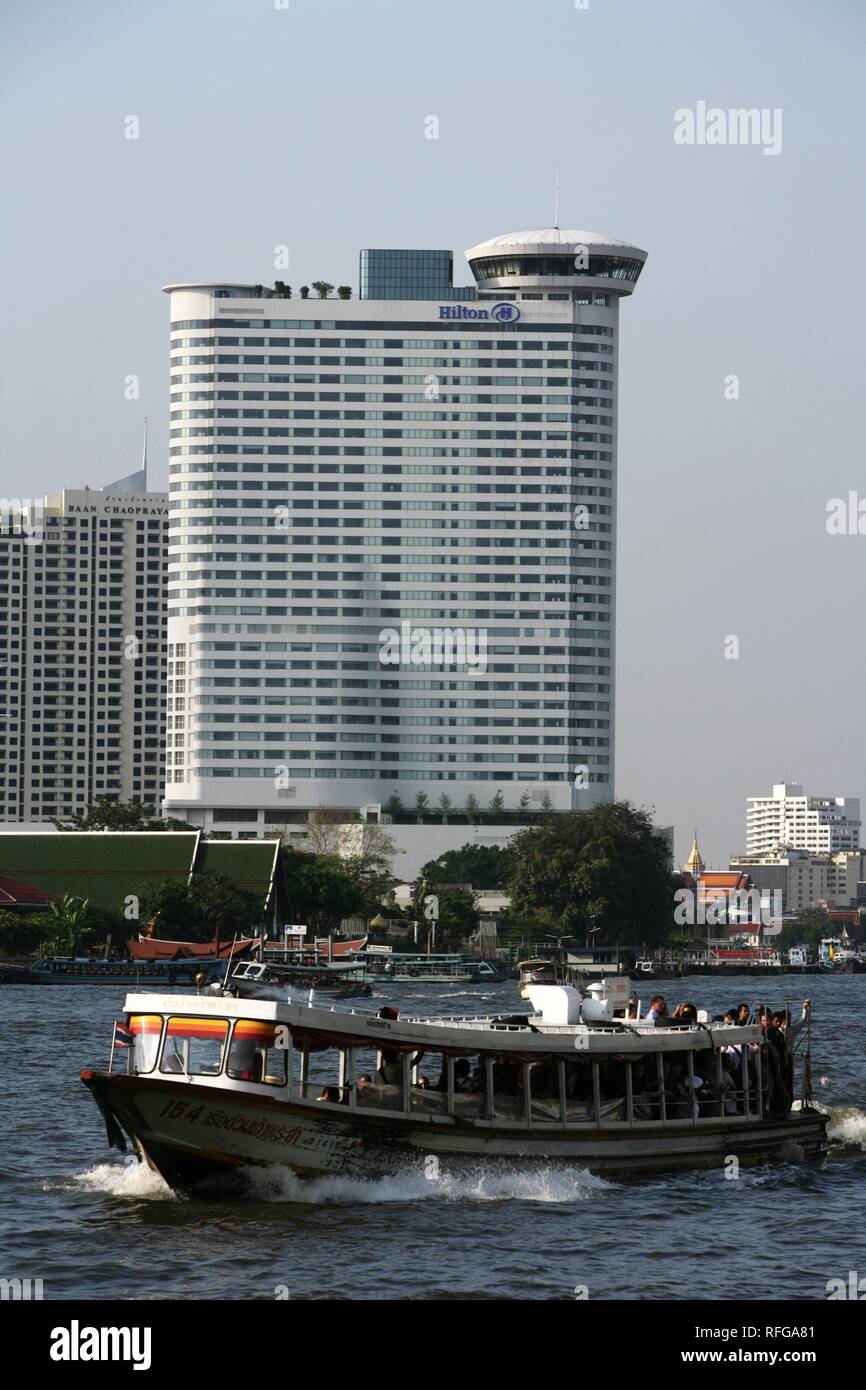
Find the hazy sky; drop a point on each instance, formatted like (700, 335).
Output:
(305, 126)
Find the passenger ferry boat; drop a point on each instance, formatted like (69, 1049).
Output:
(215, 1085)
(425, 968)
(258, 980)
(81, 970)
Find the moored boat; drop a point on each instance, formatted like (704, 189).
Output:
(80, 970)
(215, 1085)
(258, 980)
(436, 968)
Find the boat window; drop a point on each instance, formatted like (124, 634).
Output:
(146, 1030)
(254, 1056)
(194, 1045)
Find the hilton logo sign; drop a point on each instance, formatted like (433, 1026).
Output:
(501, 313)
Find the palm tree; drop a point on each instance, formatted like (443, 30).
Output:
(305, 291)
(322, 288)
(282, 290)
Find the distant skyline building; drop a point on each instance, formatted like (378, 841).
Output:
(82, 650)
(393, 536)
(790, 818)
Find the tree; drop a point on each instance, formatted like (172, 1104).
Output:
(23, 934)
(604, 870)
(394, 805)
(323, 830)
(282, 290)
(305, 291)
(106, 814)
(422, 805)
(446, 806)
(546, 803)
(322, 288)
(497, 804)
(195, 911)
(528, 926)
(258, 291)
(70, 931)
(458, 915)
(472, 808)
(321, 890)
(484, 866)
(807, 929)
(344, 291)
(525, 799)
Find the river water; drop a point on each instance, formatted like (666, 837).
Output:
(96, 1225)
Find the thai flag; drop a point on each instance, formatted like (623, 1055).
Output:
(122, 1036)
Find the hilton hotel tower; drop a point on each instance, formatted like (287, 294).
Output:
(392, 540)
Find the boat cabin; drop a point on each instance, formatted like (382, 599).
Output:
(568, 1063)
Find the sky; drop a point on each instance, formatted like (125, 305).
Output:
(304, 123)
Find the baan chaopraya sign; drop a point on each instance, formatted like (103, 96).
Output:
(114, 504)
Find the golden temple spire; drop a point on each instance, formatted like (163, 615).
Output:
(694, 864)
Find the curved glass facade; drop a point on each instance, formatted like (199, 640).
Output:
(608, 267)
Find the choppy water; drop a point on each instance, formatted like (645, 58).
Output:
(98, 1226)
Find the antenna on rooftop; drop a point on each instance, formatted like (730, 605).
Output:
(556, 199)
(144, 455)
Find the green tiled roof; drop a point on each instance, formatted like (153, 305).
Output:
(107, 866)
(247, 863)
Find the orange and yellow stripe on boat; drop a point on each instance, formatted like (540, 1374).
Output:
(149, 1025)
(197, 1028)
(252, 1028)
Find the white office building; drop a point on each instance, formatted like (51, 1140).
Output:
(790, 819)
(392, 544)
(82, 649)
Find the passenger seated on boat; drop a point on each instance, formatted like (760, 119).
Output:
(462, 1074)
(390, 1071)
(508, 1079)
(657, 1009)
(578, 1081)
(331, 1094)
(743, 1014)
(245, 1060)
(708, 1098)
(729, 1084)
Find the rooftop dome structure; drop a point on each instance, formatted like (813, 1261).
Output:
(556, 258)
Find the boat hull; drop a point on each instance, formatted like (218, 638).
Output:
(199, 1136)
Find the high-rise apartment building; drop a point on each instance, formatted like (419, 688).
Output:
(82, 649)
(789, 818)
(392, 544)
